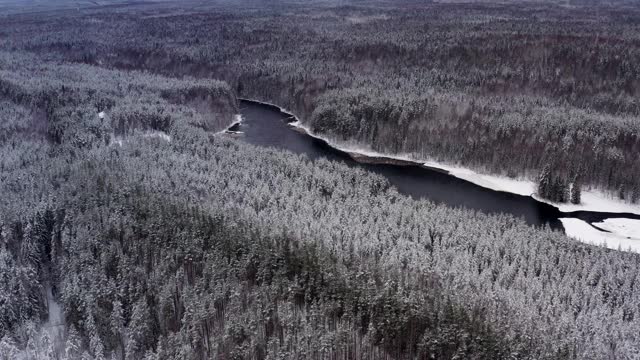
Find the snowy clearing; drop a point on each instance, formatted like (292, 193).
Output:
(594, 200)
(623, 227)
(582, 231)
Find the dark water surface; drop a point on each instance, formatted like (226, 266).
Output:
(266, 125)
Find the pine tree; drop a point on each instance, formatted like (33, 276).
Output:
(47, 345)
(576, 192)
(544, 182)
(8, 349)
(635, 194)
(563, 189)
(622, 192)
(117, 324)
(73, 344)
(138, 331)
(95, 343)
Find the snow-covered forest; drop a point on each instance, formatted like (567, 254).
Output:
(131, 228)
(509, 90)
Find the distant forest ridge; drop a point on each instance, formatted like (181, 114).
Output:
(34, 5)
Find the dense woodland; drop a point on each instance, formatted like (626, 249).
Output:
(507, 89)
(160, 238)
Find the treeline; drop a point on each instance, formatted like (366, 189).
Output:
(506, 89)
(559, 189)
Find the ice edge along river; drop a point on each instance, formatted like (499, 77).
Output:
(624, 235)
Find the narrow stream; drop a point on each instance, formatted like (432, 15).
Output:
(266, 125)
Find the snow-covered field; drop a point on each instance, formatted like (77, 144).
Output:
(624, 227)
(594, 200)
(582, 231)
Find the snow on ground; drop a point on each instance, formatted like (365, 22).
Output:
(119, 141)
(623, 227)
(592, 200)
(282, 110)
(55, 324)
(494, 182)
(351, 148)
(582, 231)
(157, 134)
(237, 119)
(625, 233)
(47, 338)
(55, 311)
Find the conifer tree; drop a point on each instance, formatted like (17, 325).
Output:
(576, 191)
(545, 182)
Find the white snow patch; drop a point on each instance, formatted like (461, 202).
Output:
(101, 114)
(55, 311)
(494, 182)
(582, 231)
(55, 324)
(594, 200)
(624, 227)
(237, 119)
(157, 134)
(119, 141)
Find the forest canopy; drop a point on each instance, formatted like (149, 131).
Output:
(131, 228)
(507, 89)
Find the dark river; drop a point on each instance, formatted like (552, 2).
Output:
(266, 125)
